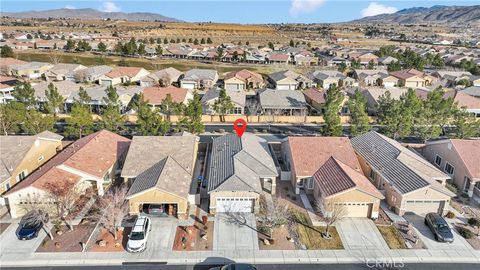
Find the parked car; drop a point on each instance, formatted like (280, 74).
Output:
(235, 266)
(27, 231)
(137, 240)
(156, 209)
(439, 227)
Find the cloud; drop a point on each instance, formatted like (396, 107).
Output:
(70, 7)
(304, 6)
(375, 9)
(109, 7)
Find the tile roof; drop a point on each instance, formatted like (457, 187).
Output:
(469, 152)
(200, 74)
(65, 88)
(399, 166)
(155, 95)
(473, 91)
(310, 153)
(14, 148)
(467, 101)
(282, 99)
(94, 154)
(407, 73)
(238, 97)
(334, 177)
(10, 61)
(123, 71)
(316, 95)
(244, 75)
(237, 164)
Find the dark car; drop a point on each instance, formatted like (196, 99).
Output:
(156, 209)
(28, 230)
(235, 266)
(439, 227)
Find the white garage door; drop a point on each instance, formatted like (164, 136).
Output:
(358, 209)
(244, 205)
(420, 207)
(188, 85)
(284, 87)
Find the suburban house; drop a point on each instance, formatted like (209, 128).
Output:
(89, 163)
(450, 78)
(91, 74)
(121, 75)
(408, 181)
(237, 97)
(373, 94)
(371, 77)
(21, 155)
(243, 80)
(164, 77)
(7, 85)
(326, 78)
(240, 168)
(386, 60)
(470, 103)
(327, 168)
(160, 170)
(289, 80)
(199, 79)
(7, 63)
(155, 95)
(473, 91)
(315, 98)
(475, 80)
(364, 58)
(460, 159)
(281, 102)
(278, 58)
(64, 88)
(30, 70)
(409, 78)
(63, 72)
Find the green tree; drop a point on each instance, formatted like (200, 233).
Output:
(342, 67)
(270, 45)
(438, 111)
(150, 122)
(159, 50)
(209, 41)
(70, 45)
(410, 114)
(223, 105)
(119, 48)
(141, 49)
(54, 101)
(219, 55)
(192, 116)
(12, 115)
(394, 66)
(35, 122)
(165, 41)
(371, 65)
(195, 42)
(202, 41)
(84, 98)
(169, 107)
(355, 64)
(112, 119)
(331, 115)
(25, 94)
(102, 47)
(6, 51)
(292, 44)
(80, 122)
(357, 105)
(388, 111)
(466, 126)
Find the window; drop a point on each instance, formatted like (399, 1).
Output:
(372, 175)
(438, 160)
(22, 175)
(7, 186)
(310, 183)
(449, 168)
(40, 158)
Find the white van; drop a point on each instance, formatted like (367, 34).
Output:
(137, 240)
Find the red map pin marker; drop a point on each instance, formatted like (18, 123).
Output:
(240, 126)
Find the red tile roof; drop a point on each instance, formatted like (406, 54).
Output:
(316, 95)
(123, 71)
(334, 177)
(245, 75)
(467, 101)
(310, 153)
(10, 61)
(278, 57)
(94, 154)
(407, 73)
(469, 152)
(155, 95)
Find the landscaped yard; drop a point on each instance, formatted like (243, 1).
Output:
(392, 237)
(67, 241)
(281, 240)
(106, 243)
(311, 236)
(190, 238)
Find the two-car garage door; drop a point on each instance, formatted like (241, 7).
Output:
(422, 207)
(244, 205)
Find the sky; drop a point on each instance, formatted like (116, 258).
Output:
(240, 11)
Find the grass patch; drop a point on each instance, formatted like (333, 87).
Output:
(392, 237)
(311, 236)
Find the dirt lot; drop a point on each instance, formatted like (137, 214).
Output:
(392, 237)
(281, 240)
(68, 241)
(111, 244)
(190, 238)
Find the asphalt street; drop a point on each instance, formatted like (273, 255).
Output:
(366, 266)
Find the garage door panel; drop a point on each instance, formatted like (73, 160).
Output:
(422, 207)
(358, 209)
(243, 205)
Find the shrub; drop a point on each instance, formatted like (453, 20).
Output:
(450, 214)
(451, 187)
(474, 222)
(466, 233)
(464, 195)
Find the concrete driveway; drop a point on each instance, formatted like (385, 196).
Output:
(235, 231)
(459, 243)
(360, 233)
(162, 234)
(9, 244)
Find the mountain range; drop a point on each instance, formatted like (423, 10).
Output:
(437, 14)
(90, 14)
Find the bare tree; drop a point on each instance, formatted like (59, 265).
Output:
(331, 211)
(37, 212)
(112, 208)
(80, 75)
(54, 59)
(273, 216)
(164, 80)
(64, 197)
(253, 108)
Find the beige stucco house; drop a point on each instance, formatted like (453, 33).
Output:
(239, 169)
(89, 163)
(460, 159)
(160, 171)
(408, 181)
(327, 168)
(120, 75)
(21, 155)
